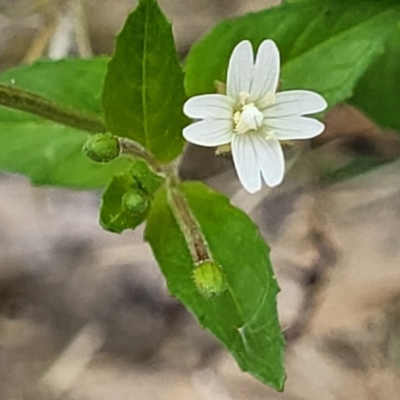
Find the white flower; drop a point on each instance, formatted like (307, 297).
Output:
(252, 117)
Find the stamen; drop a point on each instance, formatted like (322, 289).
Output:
(250, 118)
(236, 118)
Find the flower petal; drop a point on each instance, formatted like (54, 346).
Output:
(270, 158)
(214, 106)
(266, 73)
(240, 70)
(295, 127)
(210, 132)
(296, 102)
(245, 161)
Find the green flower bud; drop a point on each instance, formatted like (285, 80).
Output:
(102, 147)
(135, 201)
(209, 279)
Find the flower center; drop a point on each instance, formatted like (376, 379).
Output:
(249, 118)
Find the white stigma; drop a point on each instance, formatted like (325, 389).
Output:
(250, 118)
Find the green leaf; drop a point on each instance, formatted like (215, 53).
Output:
(74, 82)
(143, 92)
(113, 215)
(325, 46)
(127, 200)
(145, 178)
(47, 152)
(244, 317)
(378, 92)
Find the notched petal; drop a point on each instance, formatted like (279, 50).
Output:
(245, 161)
(295, 103)
(270, 160)
(293, 128)
(212, 106)
(209, 133)
(240, 70)
(266, 73)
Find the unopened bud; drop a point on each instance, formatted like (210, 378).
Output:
(102, 147)
(135, 201)
(209, 279)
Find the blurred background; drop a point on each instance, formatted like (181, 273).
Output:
(85, 314)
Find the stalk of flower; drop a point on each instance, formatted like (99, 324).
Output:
(252, 117)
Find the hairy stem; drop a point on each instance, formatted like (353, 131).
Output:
(129, 147)
(187, 222)
(24, 101)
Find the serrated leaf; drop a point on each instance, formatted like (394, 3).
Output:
(378, 92)
(47, 152)
(114, 215)
(143, 92)
(325, 46)
(244, 317)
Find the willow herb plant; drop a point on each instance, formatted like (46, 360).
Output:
(139, 107)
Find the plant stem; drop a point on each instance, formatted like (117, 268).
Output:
(187, 222)
(24, 101)
(129, 147)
